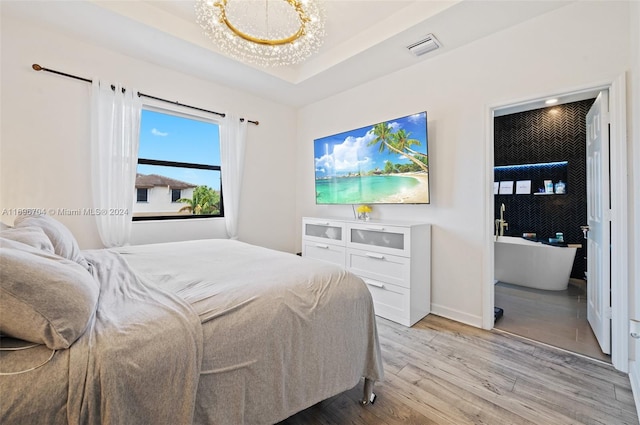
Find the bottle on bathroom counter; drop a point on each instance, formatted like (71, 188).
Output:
(560, 187)
(548, 186)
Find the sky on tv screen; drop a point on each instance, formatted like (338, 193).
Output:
(352, 151)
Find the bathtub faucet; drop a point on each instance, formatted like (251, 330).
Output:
(500, 223)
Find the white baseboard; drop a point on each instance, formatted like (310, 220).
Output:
(457, 315)
(634, 377)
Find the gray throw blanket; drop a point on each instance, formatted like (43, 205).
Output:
(139, 360)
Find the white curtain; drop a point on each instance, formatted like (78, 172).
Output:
(115, 126)
(233, 138)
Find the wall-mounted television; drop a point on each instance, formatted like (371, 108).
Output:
(384, 163)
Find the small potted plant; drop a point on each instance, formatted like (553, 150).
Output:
(363, 212)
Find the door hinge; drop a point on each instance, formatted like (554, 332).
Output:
(608, 313)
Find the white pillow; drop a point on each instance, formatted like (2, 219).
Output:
(63, 241)
(32, 236)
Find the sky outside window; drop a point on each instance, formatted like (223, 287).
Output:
(174, 138)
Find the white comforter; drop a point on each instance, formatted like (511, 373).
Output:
(281, 332)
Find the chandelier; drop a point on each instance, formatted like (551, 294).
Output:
(264, 32)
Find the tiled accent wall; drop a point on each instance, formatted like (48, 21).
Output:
(552, 134)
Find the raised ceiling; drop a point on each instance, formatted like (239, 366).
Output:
(365, 39)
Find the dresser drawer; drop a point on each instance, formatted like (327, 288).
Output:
(390, 301)
(323, 231)
(392, 257)
(389, 239)
(323, 251)
(381, 267)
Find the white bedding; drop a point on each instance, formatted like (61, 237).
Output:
(281, 332)
(209, 332)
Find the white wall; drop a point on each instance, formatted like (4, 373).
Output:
(44, 137)
(582, 44)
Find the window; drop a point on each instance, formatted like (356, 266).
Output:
(178, 171)
(142, 194)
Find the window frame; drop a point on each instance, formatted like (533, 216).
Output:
(175, 201)
(195, 115)
(146, 196)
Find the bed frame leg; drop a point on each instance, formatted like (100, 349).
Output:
(369, 396)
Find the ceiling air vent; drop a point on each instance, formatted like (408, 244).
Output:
(429, 43)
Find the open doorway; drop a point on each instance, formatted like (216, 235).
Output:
(540, 204)
(617, 213)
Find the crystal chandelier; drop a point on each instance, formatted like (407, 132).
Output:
(264, 32)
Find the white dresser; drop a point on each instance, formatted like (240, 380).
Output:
(393, 258)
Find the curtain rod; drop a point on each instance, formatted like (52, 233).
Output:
(37, 67)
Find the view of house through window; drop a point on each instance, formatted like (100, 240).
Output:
(178, 172)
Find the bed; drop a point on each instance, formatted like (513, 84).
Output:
(203, 332)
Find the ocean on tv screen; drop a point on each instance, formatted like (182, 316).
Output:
(372, 189)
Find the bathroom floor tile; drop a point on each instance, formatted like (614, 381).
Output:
(557, 318)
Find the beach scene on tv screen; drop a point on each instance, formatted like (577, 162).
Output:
(384, 163)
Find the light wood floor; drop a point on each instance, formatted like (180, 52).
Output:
(557, 318)
(444, 372)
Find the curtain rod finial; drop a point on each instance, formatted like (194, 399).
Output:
(36, 67)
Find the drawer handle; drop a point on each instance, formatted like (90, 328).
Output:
(322, 246)
(374, 283)
(374, 255)
(378, 228)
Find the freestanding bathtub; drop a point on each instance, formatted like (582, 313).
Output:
(533, 264)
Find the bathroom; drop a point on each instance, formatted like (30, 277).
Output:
(541, 193)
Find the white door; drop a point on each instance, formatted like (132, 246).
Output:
(598, 216)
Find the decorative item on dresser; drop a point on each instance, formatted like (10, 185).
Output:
(363, 212)
(392, 257)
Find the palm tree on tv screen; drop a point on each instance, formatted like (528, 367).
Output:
(395, 142)
(401, 140)
(383, 132)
